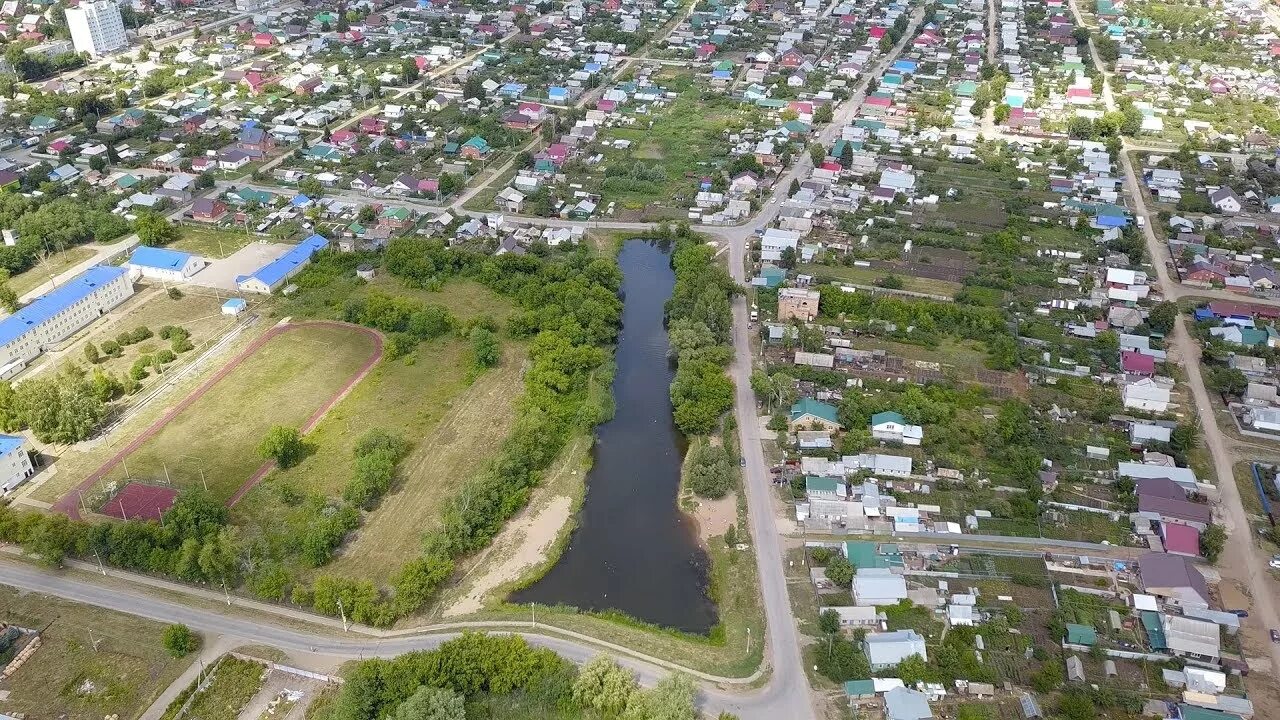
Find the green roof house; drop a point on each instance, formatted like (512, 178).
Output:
(860, 688)
(809, 411)
(41, 123)
(1081, 635)
(967, 88)
(824, 487)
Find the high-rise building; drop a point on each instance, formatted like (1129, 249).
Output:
(96, 27)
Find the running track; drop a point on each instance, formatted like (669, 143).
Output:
(69, 504)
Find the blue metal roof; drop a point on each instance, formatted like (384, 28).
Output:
(9, 443)
(278, 270)
(47, 306)
(160, 258)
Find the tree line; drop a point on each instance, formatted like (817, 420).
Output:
(700, 324)
(464, 673)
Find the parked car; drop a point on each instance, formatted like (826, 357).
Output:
(1275, 636)
(1275, 564)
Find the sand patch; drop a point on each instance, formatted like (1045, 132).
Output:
(715, 516)
(521, 545)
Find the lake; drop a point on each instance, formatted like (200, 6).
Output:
(634, 550)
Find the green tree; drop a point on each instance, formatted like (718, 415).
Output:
(284, 445)
(154, 230)
(829, 622)
(685, 337)
(671, 699)
(8, 298)
(604, 686)
(91, 353)
(61, 408)
(840, 571)
(711, 472)
(1212, 542)
(1163, 316)
(429, 703)
(485, 352)
(180, 641)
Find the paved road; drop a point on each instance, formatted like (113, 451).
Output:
(762, 704)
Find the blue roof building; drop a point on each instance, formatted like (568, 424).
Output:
(271, 276)
(163, 264)
(15, 463)
(60, 314)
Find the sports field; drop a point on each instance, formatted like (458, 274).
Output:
(210, 438)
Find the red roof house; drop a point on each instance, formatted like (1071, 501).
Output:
(1180, 539)
(1137, 364)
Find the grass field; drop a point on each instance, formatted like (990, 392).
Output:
(967, 355)
(208, 242)
(869, 276)
(454, 426)
(292, 376)
(67, 678)
(459, 428)
(53, 265)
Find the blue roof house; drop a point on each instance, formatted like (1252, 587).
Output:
(272, 276)
(558, 95)
(58, 315)
(15, 464)
(165, 265)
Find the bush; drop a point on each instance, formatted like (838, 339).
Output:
(180, 641)
(175, 293)
(840, 571)
(166, 356)
(111, 348)
(820, 555)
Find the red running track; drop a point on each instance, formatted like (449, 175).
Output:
(69, 504)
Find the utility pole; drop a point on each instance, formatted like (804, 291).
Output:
(226, 591)
(99, 559)
(344, 615)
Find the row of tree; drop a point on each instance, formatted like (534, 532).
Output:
(700, 323)
(437, 685)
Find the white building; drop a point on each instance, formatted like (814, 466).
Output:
(15, 463)
(886, 650)
(165, 265)
(1151, 394)
(55, 317)
(96, 27)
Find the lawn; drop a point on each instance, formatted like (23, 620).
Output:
(51, 266)
(870, 276)
(209, 242)
(68, 678)
(215, 439)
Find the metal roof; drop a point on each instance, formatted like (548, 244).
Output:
(48, 306)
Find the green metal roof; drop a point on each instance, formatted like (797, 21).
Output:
(1155, 631)
(888, 416)
(857, 688)
(1192, 712)
(809, 406)
(1081, 634)
(864, 554)
(815, 483)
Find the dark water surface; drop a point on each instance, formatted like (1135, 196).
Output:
(633, 549)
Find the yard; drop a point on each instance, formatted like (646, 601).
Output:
(68, 678)
(873, 276)
(51, 266)
(214, 438)
(210, 242)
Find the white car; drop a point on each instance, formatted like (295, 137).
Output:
(1274, 564)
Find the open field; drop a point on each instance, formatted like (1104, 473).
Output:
(210, 242)
(870, 276)
(52, 266)
(211, 436)
(467, 425)
(68, 678)
(289, 378)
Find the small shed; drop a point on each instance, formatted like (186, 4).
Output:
(365, 271)
(1109, 667)
(234, 306)
(1075, 669)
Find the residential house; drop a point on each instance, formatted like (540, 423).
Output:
(892, 427)
(885, 650)
(807, 412)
